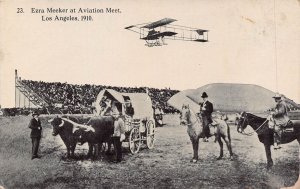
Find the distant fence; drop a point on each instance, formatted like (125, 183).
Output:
(49, 110)
(293, 115)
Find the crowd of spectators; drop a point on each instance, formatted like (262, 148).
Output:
(21, 111)
(70, 98)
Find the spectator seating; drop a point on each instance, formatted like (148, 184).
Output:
(69, 98)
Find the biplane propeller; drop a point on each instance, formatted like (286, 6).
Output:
(155, 33)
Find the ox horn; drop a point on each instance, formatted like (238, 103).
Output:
(62, 123)
(50, 120)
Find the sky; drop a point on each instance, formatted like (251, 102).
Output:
(247, 39)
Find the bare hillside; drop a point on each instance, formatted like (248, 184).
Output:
(236, 97)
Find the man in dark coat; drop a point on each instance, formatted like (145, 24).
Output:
(206, 109)
(35, 135)
(129, 109)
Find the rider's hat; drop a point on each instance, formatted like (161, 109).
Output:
(204, 95)
(277, 96)
(35, 113)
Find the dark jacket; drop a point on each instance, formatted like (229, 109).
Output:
(36, 128)
(129, 111)
(208, 110)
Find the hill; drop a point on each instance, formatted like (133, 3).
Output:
(235, 97)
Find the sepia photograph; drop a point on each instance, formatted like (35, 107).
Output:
(150, 94)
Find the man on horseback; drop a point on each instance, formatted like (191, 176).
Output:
(280, 118)
(206, 109)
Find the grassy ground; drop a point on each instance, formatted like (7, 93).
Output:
(165, 166)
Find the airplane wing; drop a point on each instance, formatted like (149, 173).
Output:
(129, 27)
(157, 35)
(200, 31)
(161, 22)
(187, 33)
(200, 40)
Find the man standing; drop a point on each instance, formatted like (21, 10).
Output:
(119, 132)
(206, 109)
(35, 135)
(281, 119)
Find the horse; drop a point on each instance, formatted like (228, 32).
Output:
(266, 134)
(195, 131)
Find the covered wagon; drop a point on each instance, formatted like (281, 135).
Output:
(138, 116)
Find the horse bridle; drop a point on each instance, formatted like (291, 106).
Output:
(197, 119)
(189, 118)
(244, 119)
(242, 130)
(251, 133)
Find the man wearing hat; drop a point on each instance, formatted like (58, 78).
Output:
(119, 130)
(35, 135)
(206, 109)
(280, 117)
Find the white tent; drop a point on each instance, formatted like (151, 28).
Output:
(180, 99)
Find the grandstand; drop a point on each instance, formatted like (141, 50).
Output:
(56, 97)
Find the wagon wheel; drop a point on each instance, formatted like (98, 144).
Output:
(134, 140)
(150, 134)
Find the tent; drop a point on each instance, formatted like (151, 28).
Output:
(180, 99)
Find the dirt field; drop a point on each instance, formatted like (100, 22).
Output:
(166, 166)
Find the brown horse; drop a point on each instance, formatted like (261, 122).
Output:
(265, 134)
(195, 131)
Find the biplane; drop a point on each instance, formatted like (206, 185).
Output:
(155, 33)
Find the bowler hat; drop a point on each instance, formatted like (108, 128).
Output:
(277, 95)
(204, 95)
(35, 113)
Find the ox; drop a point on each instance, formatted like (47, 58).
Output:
(95, 132)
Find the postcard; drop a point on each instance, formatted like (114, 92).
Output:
(156, 94)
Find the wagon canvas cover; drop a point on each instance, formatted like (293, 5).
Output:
(141, 102)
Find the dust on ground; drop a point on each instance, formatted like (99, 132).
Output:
(166, 166)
